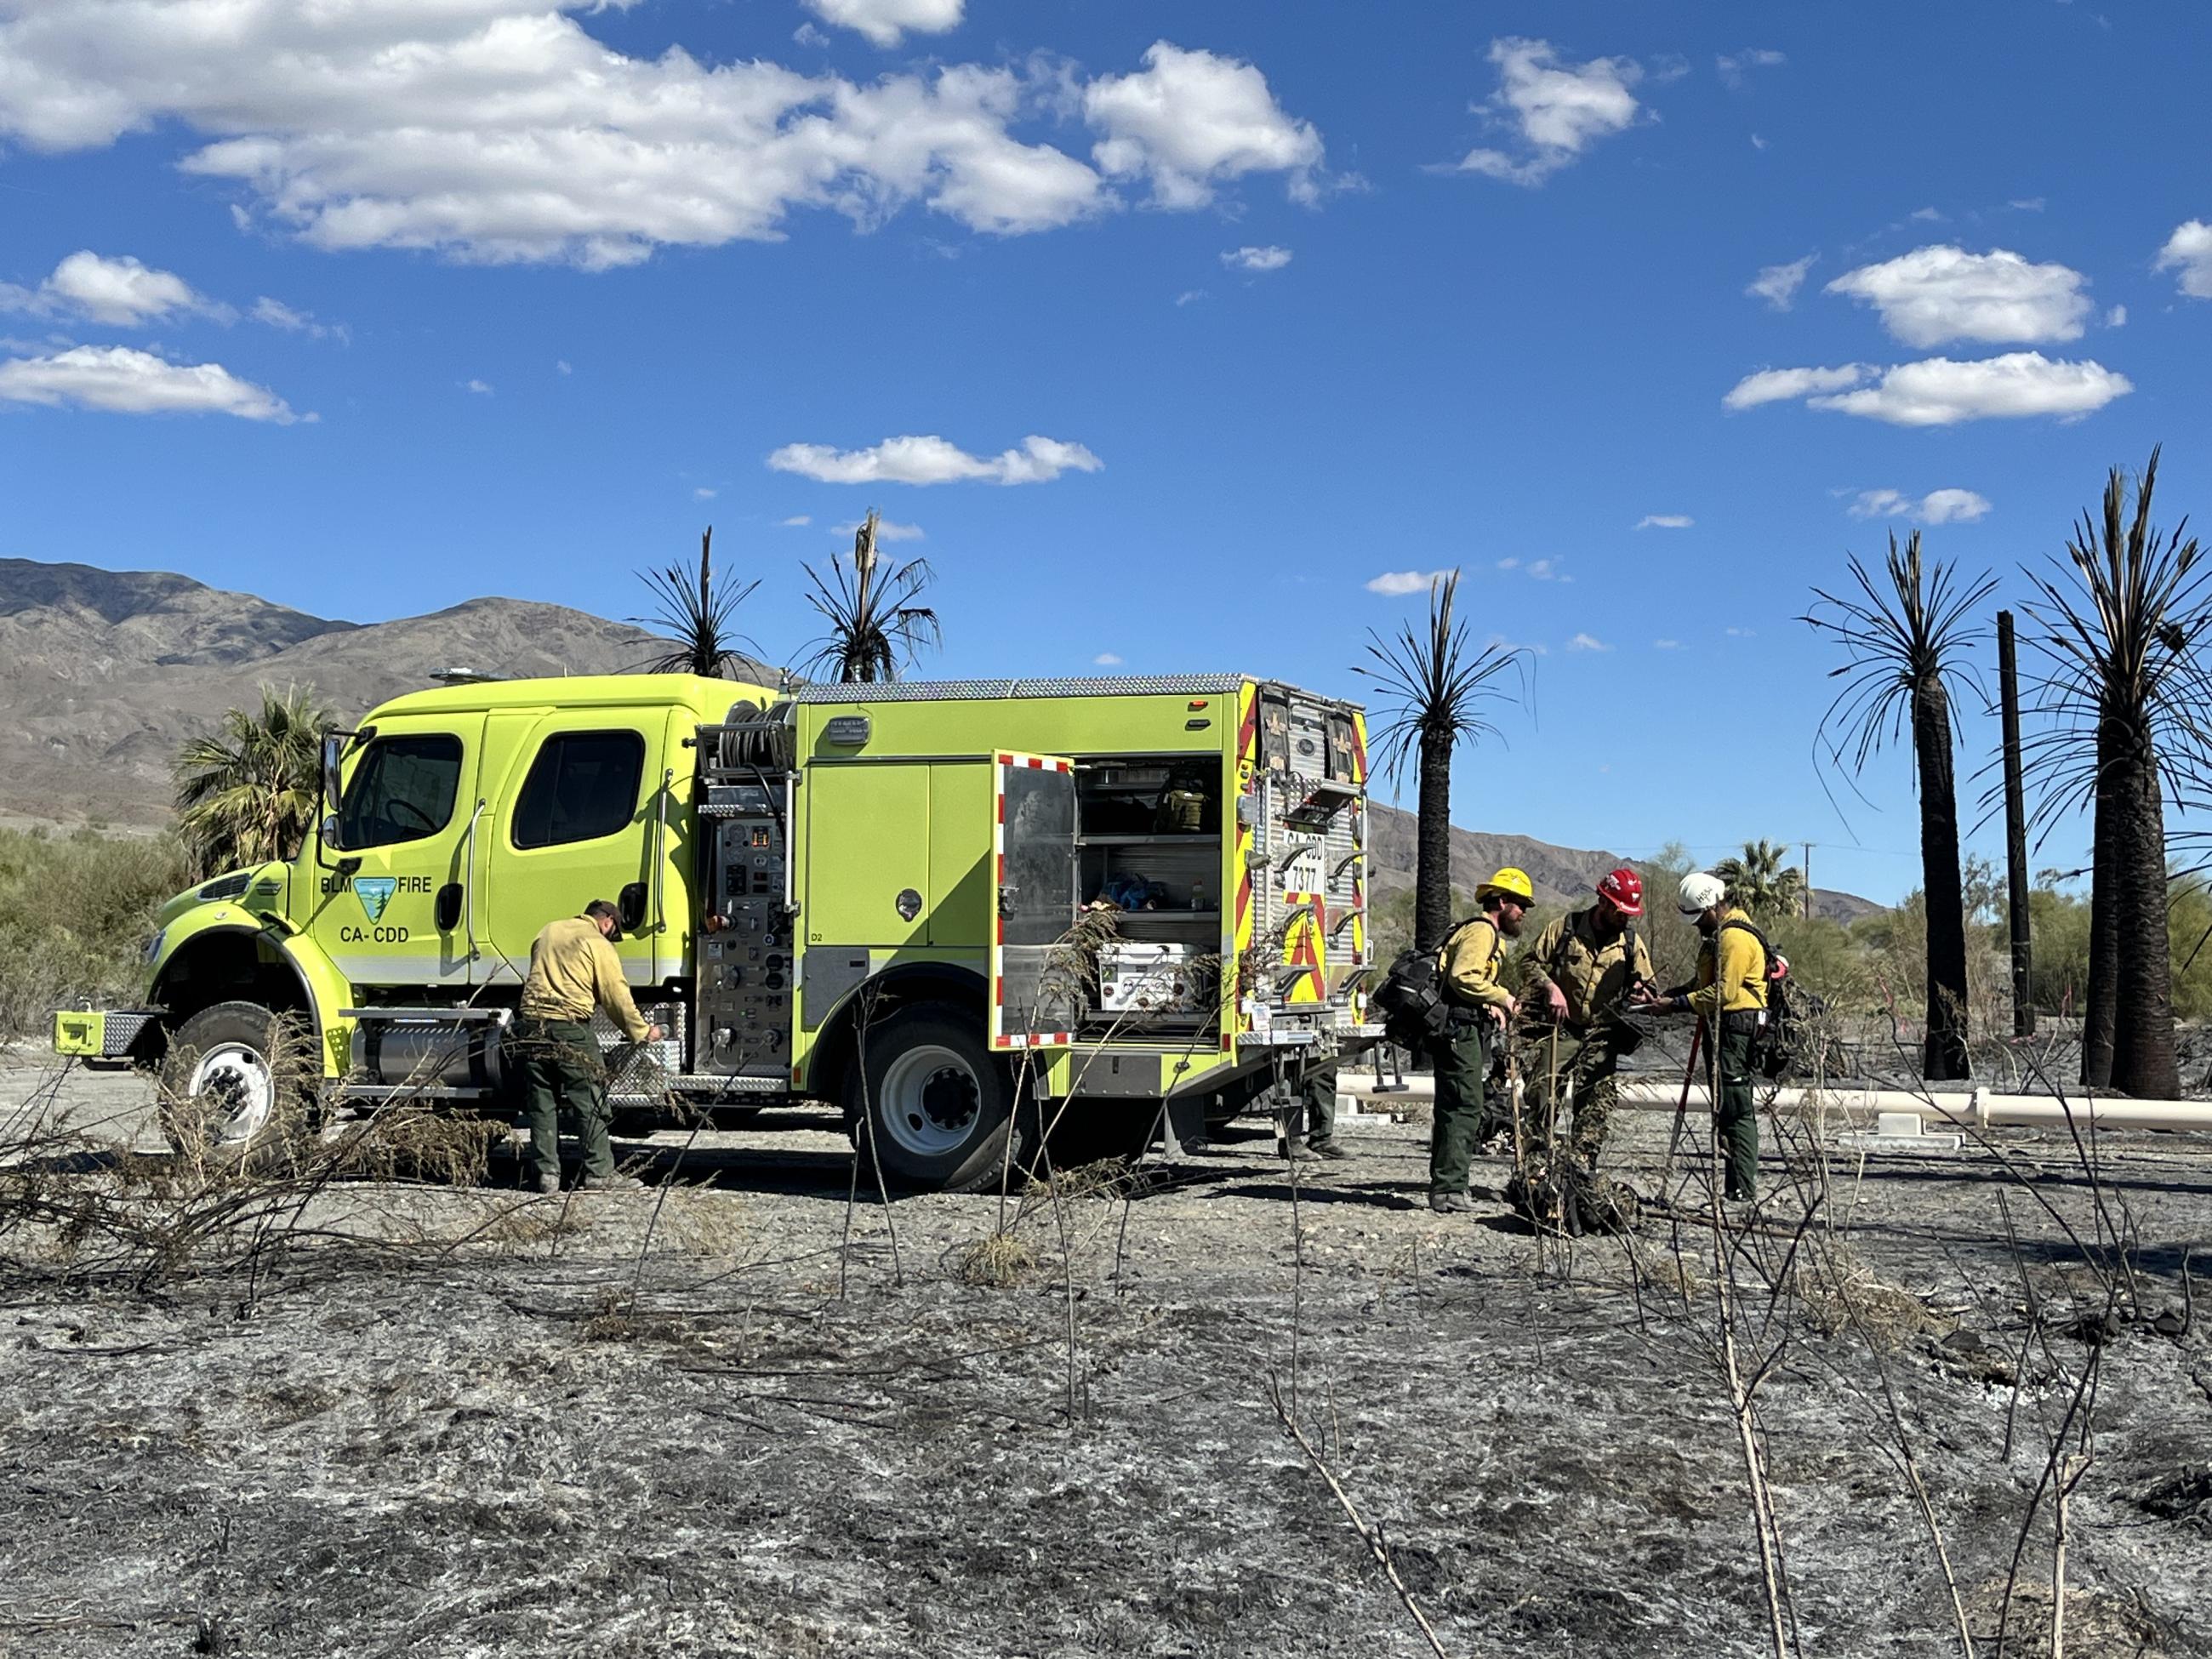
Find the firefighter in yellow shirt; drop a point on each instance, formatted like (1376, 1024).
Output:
(1729, 999)
(1468, 965)
(573, 969)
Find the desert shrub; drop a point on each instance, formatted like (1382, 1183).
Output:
(78, 909)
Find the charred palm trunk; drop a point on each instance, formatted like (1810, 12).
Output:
(2144, 1063)
(2100, 997)
(1945, 1056)
(1432, 890)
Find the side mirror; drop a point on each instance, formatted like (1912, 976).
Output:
(629, 907)
(331, 833)
(333, 750)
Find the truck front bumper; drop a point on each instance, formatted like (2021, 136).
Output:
(102, 1033)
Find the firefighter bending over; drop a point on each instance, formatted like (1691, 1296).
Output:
(1480, 1005)
(572, 969)
(1579, 974)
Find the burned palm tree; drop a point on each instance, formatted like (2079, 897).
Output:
(1900, 641)
(874, 621)
(700, 634)
(2129, 703)
(1434, 685)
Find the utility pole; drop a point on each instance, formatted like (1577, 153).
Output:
(1808, 881)
(2023, 1006)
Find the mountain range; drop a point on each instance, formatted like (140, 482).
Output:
(104, 674)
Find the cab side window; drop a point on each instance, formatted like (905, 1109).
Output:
(583, 786)
(402, 790)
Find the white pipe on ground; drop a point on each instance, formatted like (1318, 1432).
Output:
(1975, 1108)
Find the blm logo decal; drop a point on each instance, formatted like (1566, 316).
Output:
(374, 892)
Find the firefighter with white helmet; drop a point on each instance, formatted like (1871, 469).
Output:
(1581, 972)
(1729, 999)
(1467, 967)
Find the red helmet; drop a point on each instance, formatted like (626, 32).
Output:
(1624, 891)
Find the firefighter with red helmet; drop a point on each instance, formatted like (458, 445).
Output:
(1578, 975)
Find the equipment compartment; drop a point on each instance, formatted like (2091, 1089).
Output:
(1148, 841)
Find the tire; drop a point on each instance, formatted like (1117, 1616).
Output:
(932, 1106)
(238, 1087)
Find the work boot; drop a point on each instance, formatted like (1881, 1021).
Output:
(547, 1183)
(1299, 1152)
(1333, 1150)
(609, 1183)
(1451, 1203)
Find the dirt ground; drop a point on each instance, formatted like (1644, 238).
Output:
(737, 1414)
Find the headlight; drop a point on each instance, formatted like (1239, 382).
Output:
(153, 946)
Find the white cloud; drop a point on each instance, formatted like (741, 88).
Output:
(561, 365)
(2025, 203)
(120, 292)
(1557, 109)
(1665, 522)
(2116, 317)
(501, 129)
(1666, 645)
(704, 493)
(1933, 295)
(1394, 584)
(797, 521)
(1257, 259)
(1779, 284)
(1586, 642)
(1189, 295)
(1732, 65)
(1936, 507)
(887, 530)
(123, 381)
(1190, 120)
(1106, 659)
(1743, 632)
(884, 21)
(277, 314)
(932, 461)
(1772, 386)
(2188, 251)
(1546, 570)
(482, 388)
(1937, 392)
(1509, 564)
(1926, 216)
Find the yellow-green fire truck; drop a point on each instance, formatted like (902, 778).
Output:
(947, 906)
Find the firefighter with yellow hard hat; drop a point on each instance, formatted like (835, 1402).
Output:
(1467, 968)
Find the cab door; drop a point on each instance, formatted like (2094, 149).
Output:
(1036, 982)
(393, 904)
(584, 809)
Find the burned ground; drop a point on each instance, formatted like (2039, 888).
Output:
(785, 1426)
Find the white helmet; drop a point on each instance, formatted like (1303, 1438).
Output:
(1700, 892)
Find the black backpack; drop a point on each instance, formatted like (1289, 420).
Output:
(1784, 1047)
(1410, 1002)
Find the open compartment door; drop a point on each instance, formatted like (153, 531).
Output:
(1036, 985)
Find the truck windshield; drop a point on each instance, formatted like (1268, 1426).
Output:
(402, 790)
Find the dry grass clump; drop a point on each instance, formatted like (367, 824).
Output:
(1108, 1178)
(1837, 1295)
(998, 1262)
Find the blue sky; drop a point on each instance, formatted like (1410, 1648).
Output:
(1223, 316)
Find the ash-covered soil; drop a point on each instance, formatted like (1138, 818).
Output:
(787, 1425)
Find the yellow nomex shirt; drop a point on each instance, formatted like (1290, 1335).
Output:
(573, 970)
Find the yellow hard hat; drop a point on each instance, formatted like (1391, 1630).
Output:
(1511, 883)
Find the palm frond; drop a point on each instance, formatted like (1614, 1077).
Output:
(873, 624)
(699, 623)
(1434, 685)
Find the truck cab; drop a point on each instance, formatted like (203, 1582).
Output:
(955, 909)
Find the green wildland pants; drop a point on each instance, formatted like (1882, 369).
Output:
(564, 1085)
(1317, 1098)
(1736, 1118)
(1584, 1083)
(1462, 1066)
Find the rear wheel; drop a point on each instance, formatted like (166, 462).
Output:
(236, 1086)
(932, 1105)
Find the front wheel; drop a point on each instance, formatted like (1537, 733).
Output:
(236, 1086)
(929, 1102)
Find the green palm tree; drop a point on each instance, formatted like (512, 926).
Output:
(874, 621)
(1900, 642)
(2122, 629)
(1762, 881)
(1434, 685)
(247, 791)
(701, 639)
